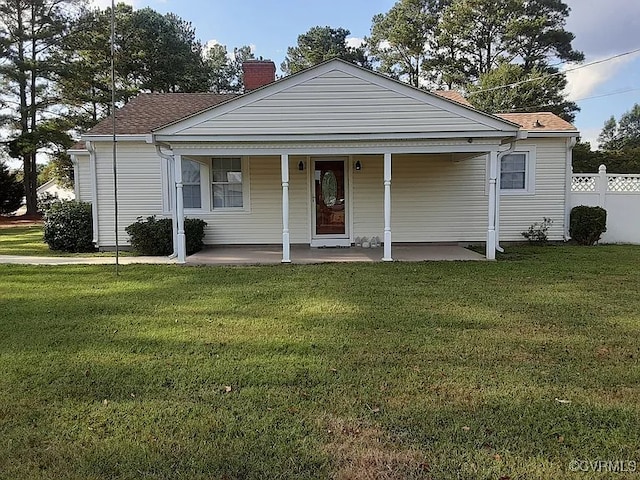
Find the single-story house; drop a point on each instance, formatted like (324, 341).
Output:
(323, 157)
(52, 188)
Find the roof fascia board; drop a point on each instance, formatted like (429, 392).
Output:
(554, 133)
(466, 135)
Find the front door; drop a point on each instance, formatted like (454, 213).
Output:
(330, 225)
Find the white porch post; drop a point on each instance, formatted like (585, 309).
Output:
(387, 208)
(182, 244)
(493, 194)
(286, 246)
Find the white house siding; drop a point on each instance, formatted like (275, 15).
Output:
(84, 179)
(139, 187)
(518, 212)
(262, 223)
(336, 102)
(368, 197)
(434, 199)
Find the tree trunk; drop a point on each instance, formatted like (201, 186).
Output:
(32, 179)
(31, 183)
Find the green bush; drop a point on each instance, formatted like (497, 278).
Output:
(68, 227)
(155, 237)
(537, 232)
(11, 190)
(587, 224)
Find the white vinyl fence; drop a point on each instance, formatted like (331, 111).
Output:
(618, 194)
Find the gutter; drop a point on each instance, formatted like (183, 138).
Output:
(168, 161)
(94, 192)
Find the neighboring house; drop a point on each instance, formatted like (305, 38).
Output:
(325, 156)
(52, 188)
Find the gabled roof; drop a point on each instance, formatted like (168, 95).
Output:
(152, 112)
(149, 111)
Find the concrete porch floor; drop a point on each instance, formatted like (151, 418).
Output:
(303, 254)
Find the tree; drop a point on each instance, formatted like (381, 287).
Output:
(154, 52)
(31, 34)
(531, 91)
(166, 56)
(320, 44)
(225, 72)
(11, 190)
(622, 135)
(402, 39)
(527, 32)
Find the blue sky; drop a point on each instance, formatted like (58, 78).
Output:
(602, 29)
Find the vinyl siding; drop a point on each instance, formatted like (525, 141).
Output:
(518, 212)
(434, 199)
(139, 188)
(84, 179)
(262, 223)
(334, 102)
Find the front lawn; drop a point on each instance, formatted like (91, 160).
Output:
(482, 370)
(27, 241)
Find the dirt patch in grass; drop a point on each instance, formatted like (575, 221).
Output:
(361, 451)
(20, 221)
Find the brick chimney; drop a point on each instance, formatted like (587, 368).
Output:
(258, 73)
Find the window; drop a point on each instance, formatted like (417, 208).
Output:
(191, 185)
(513, 172)
(517, 171)
(227, 182)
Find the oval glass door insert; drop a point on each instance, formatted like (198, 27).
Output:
(329, 188)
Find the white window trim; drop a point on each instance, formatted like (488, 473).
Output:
(530, 173)
(246, 182)
(206, 172)
(203, 187)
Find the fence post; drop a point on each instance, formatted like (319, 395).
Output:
(603, 185)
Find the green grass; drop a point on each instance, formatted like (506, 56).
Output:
(430, 370)
(28, 241)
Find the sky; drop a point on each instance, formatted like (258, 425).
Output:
(603, 28)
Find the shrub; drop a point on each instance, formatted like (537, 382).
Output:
(11, 190)
(45, 200)
(537, 232)
(587, 224)
(194, 232)
(155, 237)
(68, 226)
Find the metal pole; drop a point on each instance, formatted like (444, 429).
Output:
(113, 117)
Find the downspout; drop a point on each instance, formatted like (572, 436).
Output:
(571, 142)
(168, 167)
(94, 192)
(521, 135)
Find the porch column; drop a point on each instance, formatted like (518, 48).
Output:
(286, 246)
(387, 208)
(491, 232)
(182, 244)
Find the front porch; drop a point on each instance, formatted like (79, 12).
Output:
(303, 254)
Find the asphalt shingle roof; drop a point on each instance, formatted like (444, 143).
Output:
(149, 111)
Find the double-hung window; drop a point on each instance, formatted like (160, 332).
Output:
(191, 184)
(517, 172)
(227, 183)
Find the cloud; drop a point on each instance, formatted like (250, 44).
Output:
(584, 81)
(354, 42)
(604, 28)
